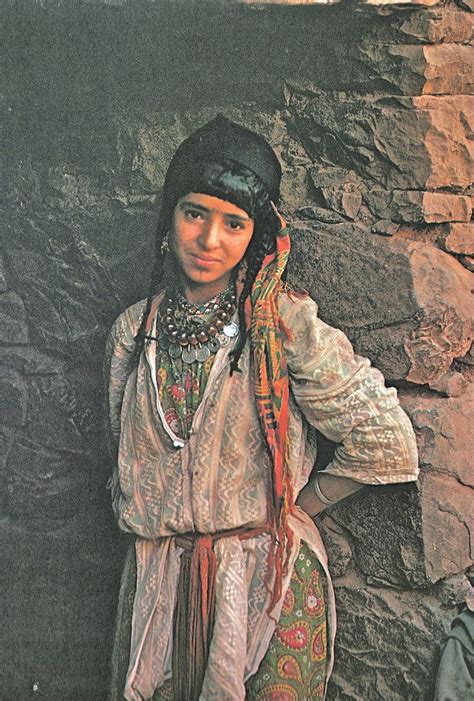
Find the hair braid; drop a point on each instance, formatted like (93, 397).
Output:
(156, 282)
(230, 181)
(254, 264)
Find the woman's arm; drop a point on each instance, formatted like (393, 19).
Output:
(118, 364)
(332, 488)
(346, 400)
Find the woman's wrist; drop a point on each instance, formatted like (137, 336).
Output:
(325, 490)
(319, 493)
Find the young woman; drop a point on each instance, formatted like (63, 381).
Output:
(213, 381)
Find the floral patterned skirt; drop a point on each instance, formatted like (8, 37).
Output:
(294, 666)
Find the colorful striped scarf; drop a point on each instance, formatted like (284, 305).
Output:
(272, 396)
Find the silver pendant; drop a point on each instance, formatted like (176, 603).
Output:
(223, 339)
(202, 353)
(164, 342)
(213, 344)
(188, 355)
(174, 351)
(231, 329)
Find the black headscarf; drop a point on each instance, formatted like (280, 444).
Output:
(221, 140)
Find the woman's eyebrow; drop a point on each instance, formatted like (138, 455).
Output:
(194, 205)
(239, 217)
(188, 203)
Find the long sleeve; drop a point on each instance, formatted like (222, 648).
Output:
(118, 365)
(342, 396)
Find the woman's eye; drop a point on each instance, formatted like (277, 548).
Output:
(235, 225)
(193, 213)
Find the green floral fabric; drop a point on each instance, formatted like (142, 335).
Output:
(180, 389)
(294, 666)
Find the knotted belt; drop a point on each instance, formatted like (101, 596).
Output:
(194, 610)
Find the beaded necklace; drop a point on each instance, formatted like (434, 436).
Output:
(188, 337)
(193, 332)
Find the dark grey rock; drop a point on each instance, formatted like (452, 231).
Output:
(383, 527)
(70, 403)
(389, 640)
(14, 397)
(3, 279)
(46, 486)
(65, 295)
(28, 360)
(326, 216)
(361, 287)
(337, 545)
(382, 139)
(13, 323)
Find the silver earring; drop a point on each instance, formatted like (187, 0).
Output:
(165, 246)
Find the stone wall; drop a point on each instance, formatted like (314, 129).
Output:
(369, 111)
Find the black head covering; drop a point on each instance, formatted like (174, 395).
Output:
(222, 140)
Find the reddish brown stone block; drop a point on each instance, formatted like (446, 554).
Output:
(442, 207)
(438, 69)
(447, 139)
(438, 25)
(415, 206)
(425, 3)
(418, 207)
(442, 288)
(402, 143)
(459, 239)
(448, 69)
(452, 384)
(442, 427)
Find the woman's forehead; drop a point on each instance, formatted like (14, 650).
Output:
(211, 203)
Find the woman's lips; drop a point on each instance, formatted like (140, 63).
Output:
(204, 260)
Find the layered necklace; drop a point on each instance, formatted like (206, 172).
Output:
(193, 332)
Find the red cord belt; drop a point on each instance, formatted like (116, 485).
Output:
(194, 610)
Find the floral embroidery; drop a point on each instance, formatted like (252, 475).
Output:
(288, 668)
(277, 692)
(300, 675)
(288, 602)
(318, 647)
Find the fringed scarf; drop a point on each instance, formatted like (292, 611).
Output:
(272, 396)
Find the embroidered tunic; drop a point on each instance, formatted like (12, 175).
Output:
(219, 479)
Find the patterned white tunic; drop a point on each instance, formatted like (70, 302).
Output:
(219, 480)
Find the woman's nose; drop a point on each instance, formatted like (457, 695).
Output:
(210, 232)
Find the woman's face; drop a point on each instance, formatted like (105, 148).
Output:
(209, 238)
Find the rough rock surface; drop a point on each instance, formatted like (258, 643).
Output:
(418, 207)
(459, 239)
(407, 69)
(383, 528)
(445, 331)
(378, 626)
(443, 427)
(387, 141)
(420, 320)
(366, 111)
(448, 139)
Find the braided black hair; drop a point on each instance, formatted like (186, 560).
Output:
(234, 183)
